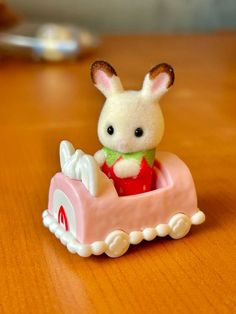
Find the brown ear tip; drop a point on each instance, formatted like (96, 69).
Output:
(163, 68)
(103, 66)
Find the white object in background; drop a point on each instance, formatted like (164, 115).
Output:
(50, 41)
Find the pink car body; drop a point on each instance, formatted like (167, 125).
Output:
(110, 223)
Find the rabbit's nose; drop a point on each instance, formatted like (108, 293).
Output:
(122, 144)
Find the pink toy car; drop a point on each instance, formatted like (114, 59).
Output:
(108, 223)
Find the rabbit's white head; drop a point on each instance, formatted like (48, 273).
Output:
(131, 121)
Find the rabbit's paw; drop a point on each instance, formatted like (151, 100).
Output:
(126, 168)
(100, 157)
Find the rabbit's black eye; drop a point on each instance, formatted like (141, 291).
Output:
(138, 132)
(110, 130)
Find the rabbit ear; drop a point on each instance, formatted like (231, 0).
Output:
(105, 78)
(158, 80)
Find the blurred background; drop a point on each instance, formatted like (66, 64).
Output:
(137, 16)
(57, 30)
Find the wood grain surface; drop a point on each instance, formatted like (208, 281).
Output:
(41, 104)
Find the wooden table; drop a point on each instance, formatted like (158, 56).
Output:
(41, 104)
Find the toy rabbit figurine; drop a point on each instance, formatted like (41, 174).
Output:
(89, 214)
(130, 127)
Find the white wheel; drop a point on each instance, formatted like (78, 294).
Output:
(180, 225)
(117, 243)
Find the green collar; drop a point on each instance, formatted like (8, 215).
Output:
(112, 156)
